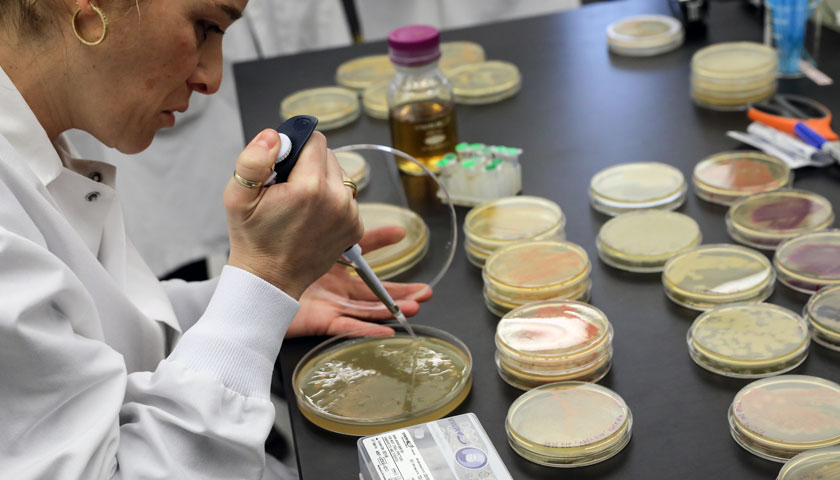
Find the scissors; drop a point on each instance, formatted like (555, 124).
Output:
(783, 112)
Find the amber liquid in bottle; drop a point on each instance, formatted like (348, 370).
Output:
(425, 130)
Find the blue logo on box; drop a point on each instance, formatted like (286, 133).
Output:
(471, 457)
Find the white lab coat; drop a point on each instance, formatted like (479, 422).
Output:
(90, 385)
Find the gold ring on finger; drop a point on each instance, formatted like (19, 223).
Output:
(352, 185)
(245, 182)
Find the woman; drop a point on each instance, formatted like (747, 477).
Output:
(105, 372)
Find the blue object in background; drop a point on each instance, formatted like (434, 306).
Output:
(790, 18)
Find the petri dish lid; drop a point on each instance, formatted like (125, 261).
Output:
(365, 385)
(764, 220)
(568, 424)
(394, 259)
(484, 82)
(819, 464)
(334, 106)
(711, 275)
(809, 261)
(375, 99)
(748, 340)
(500, 222)
(455, 54)
(360, 73)
(823, 313)
(734, 62)
(776, 418)
(355, 167)
(643, 35)
(637, 186)
(725, 177)
(543, 265)
(643, 241)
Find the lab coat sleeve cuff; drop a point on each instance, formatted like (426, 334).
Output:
(239, 336)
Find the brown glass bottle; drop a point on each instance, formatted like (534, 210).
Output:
(426, 130)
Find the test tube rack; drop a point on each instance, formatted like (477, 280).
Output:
(478, 173)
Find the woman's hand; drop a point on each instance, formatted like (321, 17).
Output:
(322, 314)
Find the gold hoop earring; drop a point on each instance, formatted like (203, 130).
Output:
(104, 26)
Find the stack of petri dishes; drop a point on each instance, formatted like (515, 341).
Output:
(779, 417)
(355, 167)
(396, 258)
(533, 271)
(767, 219)
(553, 341)
(456, 54)
(748, 340)
(643, 241)
(823, 315)
(334, 106)
(360, 73)
(485, 82)
(508, 220)
(375, 99)
(819, 464)
(733, 75)
(568, 424)
(637, 186)
(726, 177)
(644, 35)
(810, 261)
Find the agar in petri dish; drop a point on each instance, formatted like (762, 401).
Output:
(643, 241)
(484, 82)
(334, 106)
(644, 35)
(726, 177)
(765, 220)
(375, 100)
(508, 220)
(455, 54)
(732, 75)
(819, 464)
(809, 262)
(355, 167)
(397, 258)
(637, 186)
(568, 424)
(823, 315)
(748, 340)
(711, 275)
(368, 385)
(779, 417)
(536, 270)
(360, 73)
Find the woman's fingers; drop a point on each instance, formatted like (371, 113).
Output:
(252, 167)
(381, 237)
(357, 328)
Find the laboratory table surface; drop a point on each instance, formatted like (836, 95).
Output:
(580, 110)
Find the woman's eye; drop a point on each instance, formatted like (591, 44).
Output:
(203, 28)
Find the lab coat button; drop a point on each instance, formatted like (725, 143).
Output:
(92, 196)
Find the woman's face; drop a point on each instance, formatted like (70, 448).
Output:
(149, 65)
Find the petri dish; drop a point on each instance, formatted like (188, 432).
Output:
(643, 241)
(366, 385)
(726, 177)
(765, 220)
(355, 167)
(823, 315)
(455, 54)
(732, 75)
(809, 262)
(484, 82)
(819, 464)
(334, 106)
(637, 186)
(394, 259)
(508, 220)
(644, 35)
(535, 270)
(708, 276)
(375, 99)
(568, 424)
(779, 417)
(748, 340)
(360, 73)
(544, 342)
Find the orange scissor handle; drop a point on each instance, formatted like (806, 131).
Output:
(786, 124)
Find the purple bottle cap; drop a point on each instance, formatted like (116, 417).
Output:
(414, 45)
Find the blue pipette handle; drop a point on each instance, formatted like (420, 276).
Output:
(808, 134)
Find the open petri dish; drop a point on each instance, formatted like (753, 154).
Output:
(779, 417)
(644, 35)
(732, 75)
(394, 259)
(375, 99)
(552, 341)
(355, 167)
(643, 241)
(455, 54)
(767, 219)
(366, 385)
(508, 220)
(748, 340)
(334, 106)
(532, 271)
(360, 73)
(568, 424)
(712, 275)
(823, 315)
(637, 186)
(819, 464)
(810, 261)
(485, 82)
(726, 177)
